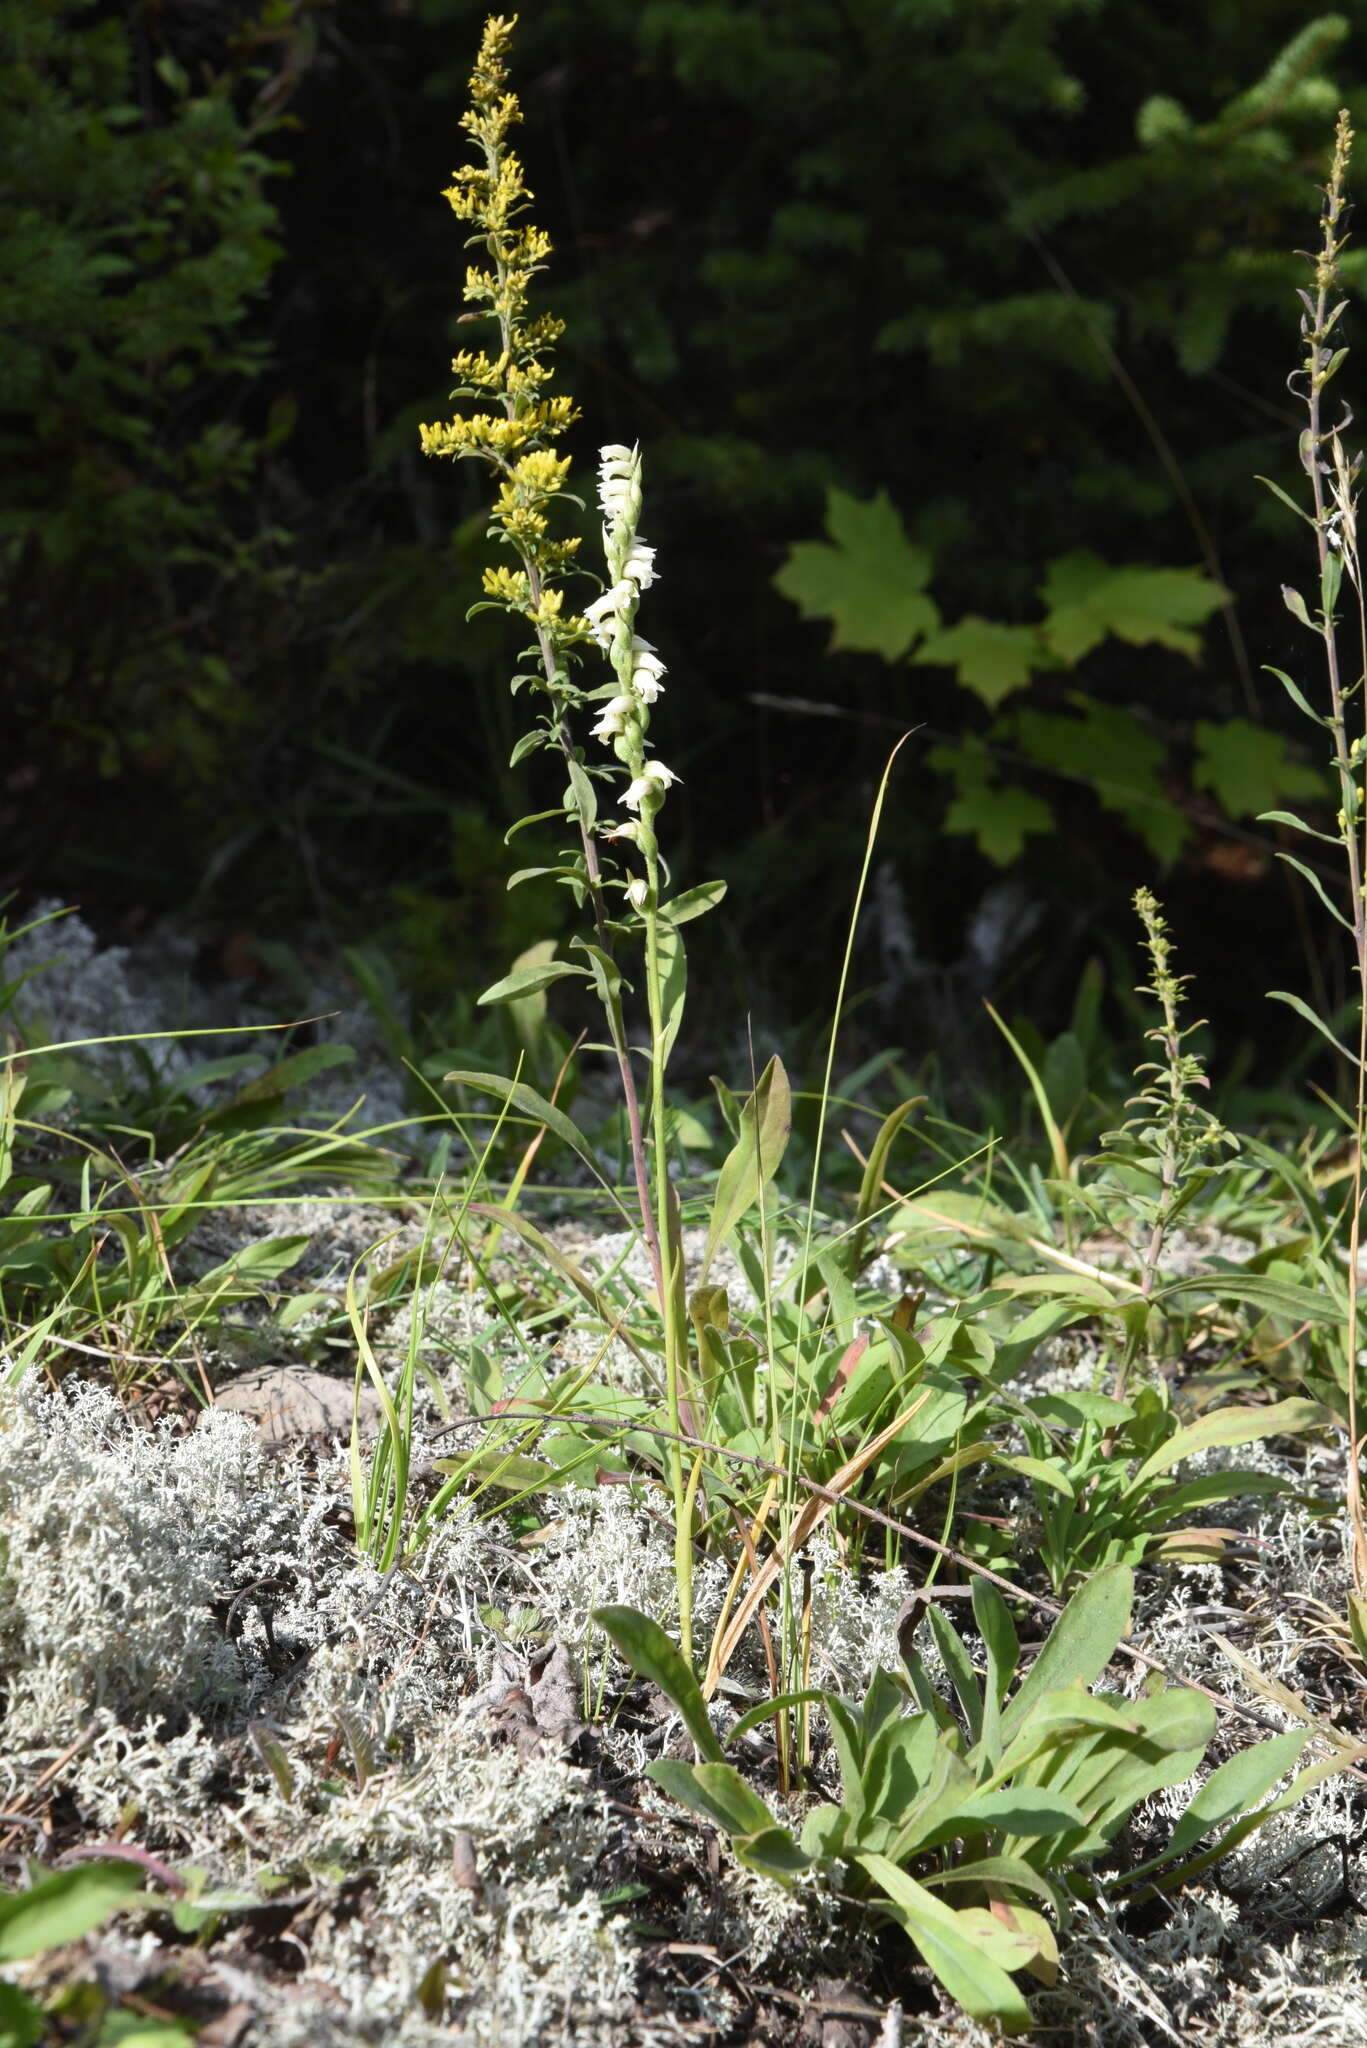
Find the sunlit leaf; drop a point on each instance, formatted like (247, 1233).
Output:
(62, 1907)
(650, 1653)
(870, 582)
(1090, 600)
(991, 659)
(999, 817)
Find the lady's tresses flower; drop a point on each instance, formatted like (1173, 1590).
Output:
(649, 786)
(603, 613)
(639, 566)
(618, 476)
(646, 670)
(613, 717)
(611, 618)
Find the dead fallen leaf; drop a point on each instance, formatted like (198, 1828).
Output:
(465, 1863)
(288, 1402)
(533, 1698)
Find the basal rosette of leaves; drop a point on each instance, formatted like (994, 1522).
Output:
(1044, 727)
(972, 1822)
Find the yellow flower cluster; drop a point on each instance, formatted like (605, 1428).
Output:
(514, 440)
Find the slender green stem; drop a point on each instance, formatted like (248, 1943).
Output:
(671, 1288)
(1319, 366)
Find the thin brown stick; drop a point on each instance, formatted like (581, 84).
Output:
(83, 1741)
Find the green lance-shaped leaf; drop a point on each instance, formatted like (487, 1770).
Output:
(598, 1302)
(263, 1260)
(1226, 1427)
(957, 1953)
(1236, 1788)
(519, 1096)
(695, 902)
(650, 1653)
(1260, 1290)
(871, 1186)
(529, 981)
(1002, 1648)
(766, 1119)
(716, 1791)
(1176, 1727)
(1025, 1810)
(1296, 694)
(1303, 1009)
(673, 985)
(581, 802)
(1081, 1643)
(62, 1908)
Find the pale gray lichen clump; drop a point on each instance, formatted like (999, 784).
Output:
(160, 1591)
(122, 1554)
(113, 1545)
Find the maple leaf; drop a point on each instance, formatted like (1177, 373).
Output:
(1089, 599)
(1249, 769)
(992, 659)
(870, 581)
(998, 817)
(1107, 748)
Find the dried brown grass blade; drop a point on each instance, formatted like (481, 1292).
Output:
(813, 1514)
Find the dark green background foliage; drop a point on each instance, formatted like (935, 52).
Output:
(1026, 268)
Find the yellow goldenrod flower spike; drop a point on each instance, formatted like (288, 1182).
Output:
(515, 422)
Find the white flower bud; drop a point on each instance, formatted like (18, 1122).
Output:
(638, 893)
(619, 488)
